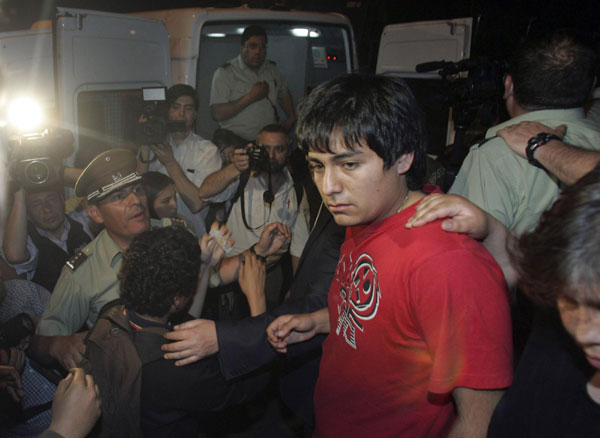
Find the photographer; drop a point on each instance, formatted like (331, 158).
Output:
(39, 237)
(185, 156)
(269, 195)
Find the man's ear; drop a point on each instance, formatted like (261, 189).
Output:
(404, 163)
(94, 212)
(508, 87)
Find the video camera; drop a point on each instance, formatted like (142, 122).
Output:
(36, 159)
(154, 125)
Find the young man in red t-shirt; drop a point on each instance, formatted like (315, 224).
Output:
(420, 342)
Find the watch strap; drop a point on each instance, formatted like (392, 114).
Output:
(536, 142)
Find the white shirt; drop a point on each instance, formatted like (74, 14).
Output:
(258, 214)
(198, 158)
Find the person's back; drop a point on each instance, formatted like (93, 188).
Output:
(142, 393)
(549, 81)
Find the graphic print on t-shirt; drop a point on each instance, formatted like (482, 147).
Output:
(360, 295)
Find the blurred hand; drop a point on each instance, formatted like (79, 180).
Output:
(273, 237)
(194, 340)
(76, 405)
(259, 91)
(291, 329)
(68, 350)
(251, 277)
(164, 153)
(517, 136)
(461, 216)
(212, 252)
(10, 381)
(241, 159)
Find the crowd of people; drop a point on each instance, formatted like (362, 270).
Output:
(196, 290)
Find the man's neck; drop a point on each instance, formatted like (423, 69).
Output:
(277, 180)
(122, 242)
(58, 232)
(179, 137)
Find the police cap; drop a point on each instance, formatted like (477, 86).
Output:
(106, 173)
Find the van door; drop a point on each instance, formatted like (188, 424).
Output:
(102, 61)
(404, 46)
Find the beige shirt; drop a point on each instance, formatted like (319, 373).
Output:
(505, 184)
(234, 80)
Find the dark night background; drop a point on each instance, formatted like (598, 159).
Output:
(498, 25)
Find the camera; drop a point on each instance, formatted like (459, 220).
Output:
(36, 159)
(155, 124)
(259, 158)
(13, 331)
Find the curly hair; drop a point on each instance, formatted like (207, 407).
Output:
(562, 255)
(159, 265)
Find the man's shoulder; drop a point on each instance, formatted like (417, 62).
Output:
(82, 262)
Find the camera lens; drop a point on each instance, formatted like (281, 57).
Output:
(37, 172)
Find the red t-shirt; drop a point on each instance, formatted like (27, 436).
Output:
(414, 314)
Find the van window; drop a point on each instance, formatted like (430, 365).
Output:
(306, 54)
(107, 119)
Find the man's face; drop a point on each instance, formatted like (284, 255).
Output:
(124, 213)
(277, 146)
(183, 109)
(254, 52)
(46, 210)
(354, 185)
(582, 321)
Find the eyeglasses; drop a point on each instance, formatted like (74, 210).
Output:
(123, 193)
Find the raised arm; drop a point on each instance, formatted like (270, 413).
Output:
(568, 163)
(15, 235)
(221, 179)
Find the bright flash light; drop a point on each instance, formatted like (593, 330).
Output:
(216, 35)
(25, 114)
(300, 32)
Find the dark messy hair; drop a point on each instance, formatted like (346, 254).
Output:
(154, 183)
(159, 265)
(253, 30)
(562, 255)
(553, 71)
(178, 90)
(375, 111)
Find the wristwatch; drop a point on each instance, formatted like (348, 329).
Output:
(534, 143)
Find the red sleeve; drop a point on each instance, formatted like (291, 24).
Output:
(460, 305)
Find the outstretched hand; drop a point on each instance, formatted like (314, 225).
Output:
(212, 252)
(273, 237)
(291, 329)
(459, 214)
(252, 277)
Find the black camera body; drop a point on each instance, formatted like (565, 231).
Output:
(36, 160)
(259, 158)
(155, 124)
(13, 331)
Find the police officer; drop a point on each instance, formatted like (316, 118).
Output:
(116, 199)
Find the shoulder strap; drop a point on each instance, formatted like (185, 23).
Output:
(244, 177)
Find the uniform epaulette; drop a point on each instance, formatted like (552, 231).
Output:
(227, 64)
(76, 260)
(271, 62)
(486, 140)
